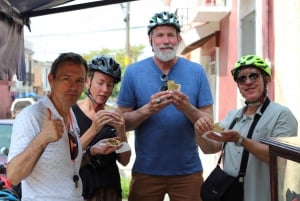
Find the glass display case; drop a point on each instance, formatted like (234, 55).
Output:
(284, 168)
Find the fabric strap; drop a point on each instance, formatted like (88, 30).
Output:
(245, 155)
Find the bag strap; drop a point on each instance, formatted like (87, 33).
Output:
(223, 148)
(245, 155)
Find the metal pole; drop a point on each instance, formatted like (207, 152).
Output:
(128, 53)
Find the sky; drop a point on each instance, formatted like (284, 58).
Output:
(91, 29)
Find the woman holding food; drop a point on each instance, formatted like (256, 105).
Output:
(101, 131)
(252, 74)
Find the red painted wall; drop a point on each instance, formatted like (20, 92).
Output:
(268, 38)
(228, 56)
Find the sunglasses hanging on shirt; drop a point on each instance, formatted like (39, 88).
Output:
(73, 144)
(164, 79)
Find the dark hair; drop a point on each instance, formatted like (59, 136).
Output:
(68, 56)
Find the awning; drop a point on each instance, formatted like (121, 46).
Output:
(197, 36)
(14, 14)
(208, 19)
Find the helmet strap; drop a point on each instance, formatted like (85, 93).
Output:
(88, 93)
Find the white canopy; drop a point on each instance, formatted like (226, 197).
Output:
(14, 14)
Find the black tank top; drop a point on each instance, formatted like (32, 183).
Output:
(102, 170)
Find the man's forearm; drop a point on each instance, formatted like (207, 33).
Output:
(21, 165)
(135, 117)
(193, 113)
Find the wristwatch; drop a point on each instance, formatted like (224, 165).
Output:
(240, 141)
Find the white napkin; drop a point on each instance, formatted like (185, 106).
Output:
(125, 147)
(216, 133)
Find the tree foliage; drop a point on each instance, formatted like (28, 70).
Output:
(121, 56)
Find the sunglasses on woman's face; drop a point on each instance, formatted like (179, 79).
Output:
(73, 145)
(242, 79)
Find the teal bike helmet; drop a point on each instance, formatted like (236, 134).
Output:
(8, 195)
(251, 61)
(163, 18)
(6, 191)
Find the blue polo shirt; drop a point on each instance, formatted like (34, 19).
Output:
(165, 142)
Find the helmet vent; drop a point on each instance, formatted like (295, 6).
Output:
(106, 65)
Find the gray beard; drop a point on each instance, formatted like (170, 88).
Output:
(165, 56)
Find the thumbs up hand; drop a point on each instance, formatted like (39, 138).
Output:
(52, 129)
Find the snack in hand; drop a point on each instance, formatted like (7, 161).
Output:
(172, 85)
(113, 142)
(217, 127)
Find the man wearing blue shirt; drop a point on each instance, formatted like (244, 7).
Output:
(167, 158)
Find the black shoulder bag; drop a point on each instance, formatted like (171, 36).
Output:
(219, 186)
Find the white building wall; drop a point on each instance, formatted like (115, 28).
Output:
(287, 54)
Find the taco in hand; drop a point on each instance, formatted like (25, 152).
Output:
(217, 127)
(113, 142)
(172, 85)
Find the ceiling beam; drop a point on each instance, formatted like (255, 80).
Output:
(72, 7)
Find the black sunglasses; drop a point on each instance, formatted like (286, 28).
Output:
(164, 78)
(242, 79)
(73, 145)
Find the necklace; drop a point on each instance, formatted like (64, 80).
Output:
(254, 104)
(258, 102)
